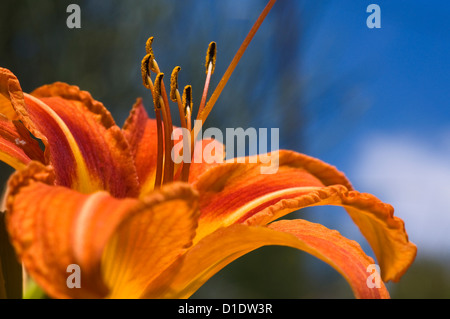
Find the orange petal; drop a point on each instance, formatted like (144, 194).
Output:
(17, 147)
(52, 227)
(86, 148)
(8, 80)
(210, 151)
(209, 147)
(225, 245)
(344, 255)
(141, 134)
(234, 192)
(239, 193)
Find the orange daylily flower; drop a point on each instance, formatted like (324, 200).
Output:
(140, 226)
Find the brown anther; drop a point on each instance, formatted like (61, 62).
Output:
(187, 99)
(148, 46)
(149, 58)
(174, 83)
(145, 71)
(211, 57)
(157, 90)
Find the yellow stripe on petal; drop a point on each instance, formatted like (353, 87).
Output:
(254, 207)
(16, 161)
(84, 182)
(101, 142)
(225, 245)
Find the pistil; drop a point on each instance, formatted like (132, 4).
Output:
(215, 95)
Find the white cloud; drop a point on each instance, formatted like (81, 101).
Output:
(413, 175)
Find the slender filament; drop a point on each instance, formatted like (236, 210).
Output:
(218, 90)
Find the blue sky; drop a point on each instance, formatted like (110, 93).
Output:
(404, 66)
(399, 149)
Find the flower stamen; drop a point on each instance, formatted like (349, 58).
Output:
(175, 95)
(187, 104)
(147, 81)
(145, 67)
(149, 50)
(210, 66)
(156, 93)
(161, 100)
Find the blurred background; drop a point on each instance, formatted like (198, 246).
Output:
(373, 102)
